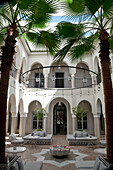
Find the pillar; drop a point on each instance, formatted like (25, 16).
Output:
(44, 122)
(73, 123)
(6, 122)
(13, 122)
(23, 117)
(105, 123)
(72, 81)
(46, 81)
(97, 124)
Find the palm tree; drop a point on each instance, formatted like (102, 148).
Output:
(36, 12)
(97, 16)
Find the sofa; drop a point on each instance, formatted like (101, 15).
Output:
(81, 138)
(38, 137)
(99, 164)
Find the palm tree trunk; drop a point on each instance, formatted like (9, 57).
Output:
(8, 51)
(108, 96)
(3, 106)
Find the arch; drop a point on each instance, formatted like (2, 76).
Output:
(36, 77)
(12, 101)
(59, 75)
(96, 65)
(21, 106)
(82, 77)
(86, 121)
(99, 106)
(59, 119)
(100, 113)
(29, 121)
(12, 113)
(50, 116)
(36, 64)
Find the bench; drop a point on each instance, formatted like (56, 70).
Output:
(40, 140)
(81, 140)
(99, 164)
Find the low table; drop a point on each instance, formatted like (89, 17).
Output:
(100, 151)
(59, 150)
(15, 151)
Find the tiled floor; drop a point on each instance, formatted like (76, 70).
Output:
(32, 150)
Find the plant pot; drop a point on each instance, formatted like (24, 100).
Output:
(12, 163)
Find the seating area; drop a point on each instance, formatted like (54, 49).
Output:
(81, 138)
(99, 164)
(16, 163)
(14, 141)
(38, 137)
(82, 158)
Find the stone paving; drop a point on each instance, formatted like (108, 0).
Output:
(36, 153)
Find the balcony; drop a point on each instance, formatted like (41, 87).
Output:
(63, 77)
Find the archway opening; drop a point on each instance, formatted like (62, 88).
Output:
(59, 119)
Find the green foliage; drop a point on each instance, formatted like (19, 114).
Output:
(39, 129)
(40, 113)
(79, 112)
(44, 38)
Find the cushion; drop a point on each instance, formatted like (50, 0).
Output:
(103, 167)
(12, 137)
(14, 166)
(97, 164)
(17, 141)
(20, 164)
(85, 134)
(40, 133)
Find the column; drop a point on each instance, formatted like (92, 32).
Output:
(105, 123)
(46, 81)
(23, 117)
(44, 122)
(73, 123)
(72, 81)
(6, 122)
(97, 124)
(13, 122)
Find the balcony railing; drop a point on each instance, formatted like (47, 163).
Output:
(60, 78)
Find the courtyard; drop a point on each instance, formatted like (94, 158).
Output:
(41, 153)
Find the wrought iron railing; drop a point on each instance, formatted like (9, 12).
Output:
(65, 80)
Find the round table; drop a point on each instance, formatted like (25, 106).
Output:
(15, 151)
(100, 151)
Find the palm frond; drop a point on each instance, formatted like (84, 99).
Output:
(60, 55)
(44, 38)
(69, 30)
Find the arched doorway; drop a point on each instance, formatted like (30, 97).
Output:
(59, 119)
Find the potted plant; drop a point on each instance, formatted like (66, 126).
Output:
(40, 113)
(80, 113)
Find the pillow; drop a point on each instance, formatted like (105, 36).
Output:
(12, 137)
(103, 167)
(37, 133)
(41, 134)
(96, 164)
(20, 164)
(85, 134)
(44, 133)
(14, 166)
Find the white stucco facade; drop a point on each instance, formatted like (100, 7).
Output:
(24, 97)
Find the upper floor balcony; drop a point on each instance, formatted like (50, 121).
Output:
(60, 77)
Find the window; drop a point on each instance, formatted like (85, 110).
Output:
(39, 80)
(82, 121)
(37, 124)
